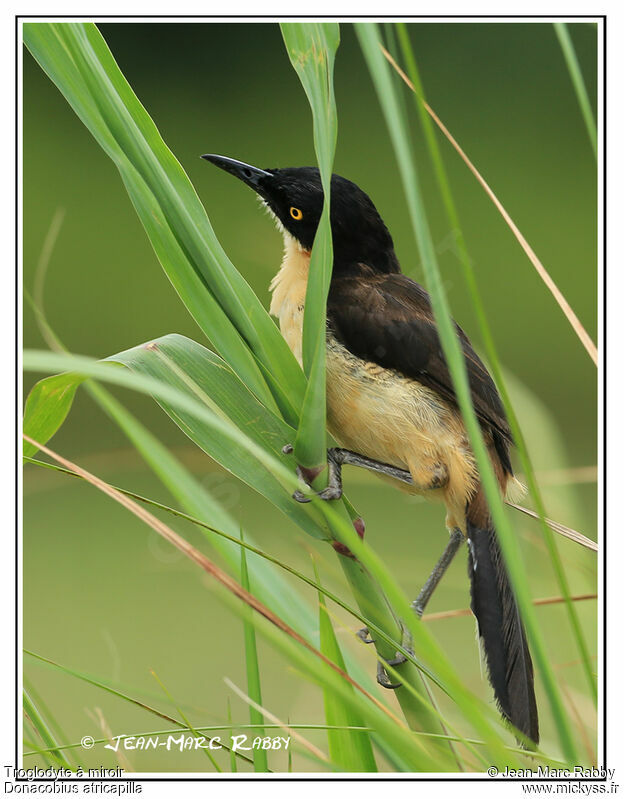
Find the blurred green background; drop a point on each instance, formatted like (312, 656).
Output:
(101, 593)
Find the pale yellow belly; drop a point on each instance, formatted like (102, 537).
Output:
(379, 413)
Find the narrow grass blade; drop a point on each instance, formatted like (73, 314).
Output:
(488, 338)
(326, 666)
(233, 767)
(52, 722)
(312, 48)
(352, 751)
(253, 669)
(119, 694)
(206, 564)
(549, 600)
(576, 76)
(561, 529)
(232, 727)
(565, 306)
(188, 724)
(44, 732)
(379, 69)
(316, 753)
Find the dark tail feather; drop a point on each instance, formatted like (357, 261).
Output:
(509, 665)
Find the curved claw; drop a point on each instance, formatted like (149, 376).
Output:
(300, 496)
(384, 680)
(364, 636)
(329, 493)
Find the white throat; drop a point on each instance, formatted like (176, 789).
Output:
(289, 289)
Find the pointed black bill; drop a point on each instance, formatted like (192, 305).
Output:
(251, 175)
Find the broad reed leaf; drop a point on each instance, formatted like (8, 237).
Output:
(77, 59)
(196, 371)
(208, 401)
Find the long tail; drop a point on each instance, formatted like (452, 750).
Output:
(509, 665)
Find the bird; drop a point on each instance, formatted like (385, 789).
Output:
(391, 404)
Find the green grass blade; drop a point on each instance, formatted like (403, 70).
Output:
(352, 751)
(233, 766)
(253, 668)
(379, 69)
(52, 721)
(517, 433)
(410, 753)
(312, 48)
(184, 718)
(576, 76)
(76, 58)
(98, 683)
(44, 732)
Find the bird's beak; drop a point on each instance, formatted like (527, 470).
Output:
(251, 175)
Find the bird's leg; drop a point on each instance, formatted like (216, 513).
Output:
(418, 605)
(455, 540)
(336, 459)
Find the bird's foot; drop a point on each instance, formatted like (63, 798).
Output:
(382, 675)
(365, 636)
(307, 476)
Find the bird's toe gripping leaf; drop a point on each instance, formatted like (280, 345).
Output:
(334, 483)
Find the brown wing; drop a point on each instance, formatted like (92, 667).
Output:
(387, 319)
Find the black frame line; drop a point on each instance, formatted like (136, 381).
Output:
(603, 382)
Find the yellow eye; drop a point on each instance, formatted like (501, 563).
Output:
(296, 214)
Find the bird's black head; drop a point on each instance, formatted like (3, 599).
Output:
(295, 196)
